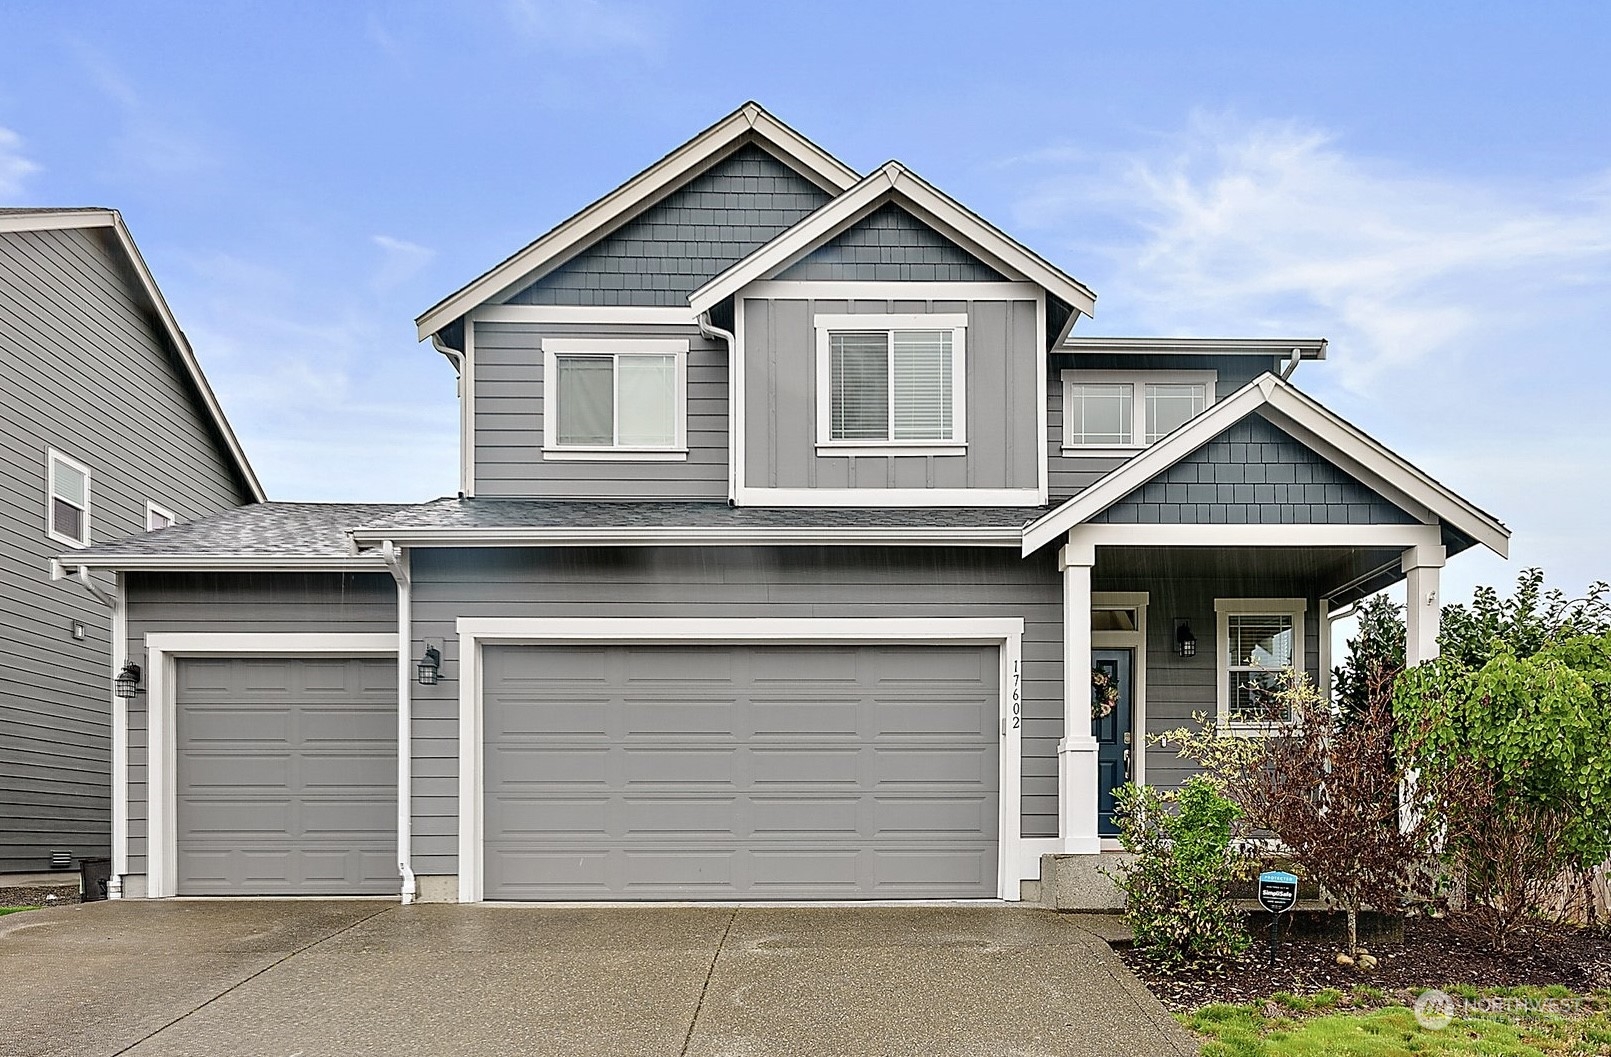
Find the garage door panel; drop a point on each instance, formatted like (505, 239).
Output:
(757, 771)
(286, 771)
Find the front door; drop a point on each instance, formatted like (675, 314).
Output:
(1113, 734)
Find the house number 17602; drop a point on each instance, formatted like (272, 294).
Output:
(1017, 697)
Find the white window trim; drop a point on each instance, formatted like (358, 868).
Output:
(153, 510)
(163, 649)
(1224, 608)
(1017, 859)
(955, 322)
(52, 459)
(1138, 381)
(677, 348)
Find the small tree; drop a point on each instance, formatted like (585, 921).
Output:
(1178, 886)
(1327, 786)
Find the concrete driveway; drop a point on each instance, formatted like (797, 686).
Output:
(308, 979)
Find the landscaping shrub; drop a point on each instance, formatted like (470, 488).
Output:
(1178, 888)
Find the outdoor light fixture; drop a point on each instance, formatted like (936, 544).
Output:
(127, 683)
(430, 664)
(1185, 641)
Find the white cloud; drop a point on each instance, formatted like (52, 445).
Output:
(586, 25)
(401, 260)
(1467, 314)
(15, 166)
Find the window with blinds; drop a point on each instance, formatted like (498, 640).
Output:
(68, 512)
(891, 385)
(1260, 649)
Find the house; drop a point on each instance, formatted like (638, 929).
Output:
(793, 527)
(109, 429)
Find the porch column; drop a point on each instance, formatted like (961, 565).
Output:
(1423, 612)
(1076, 753)
(1423, 608)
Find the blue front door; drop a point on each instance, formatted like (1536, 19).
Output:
(1113, 735)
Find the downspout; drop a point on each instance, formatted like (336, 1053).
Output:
(397, 563)
(1292, 364)
(460, 362)
(711, 330)
(120, 716)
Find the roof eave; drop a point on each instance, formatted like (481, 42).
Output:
(672, 536)
(221, 562)
(1307, 348)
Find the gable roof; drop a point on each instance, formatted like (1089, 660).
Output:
(748, 123)
(893, 181)
(61, 219)
(1311, 424)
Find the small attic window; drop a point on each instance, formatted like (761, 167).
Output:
(1127, 411)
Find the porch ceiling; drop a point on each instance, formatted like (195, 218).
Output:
(1342, 574)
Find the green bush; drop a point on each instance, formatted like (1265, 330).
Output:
(1178, 887)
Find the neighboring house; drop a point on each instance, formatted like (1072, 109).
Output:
(793, 526)
(109, 429)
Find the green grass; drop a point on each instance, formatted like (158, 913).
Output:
(13, 910)
(1500, 1022)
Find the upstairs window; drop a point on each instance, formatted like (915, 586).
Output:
(891, 380)
(68, 518)
(157, 517)
(613, 398)
(1260, 648)
(1107, 409)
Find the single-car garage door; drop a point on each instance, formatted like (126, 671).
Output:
(740, 772)
(287, 776)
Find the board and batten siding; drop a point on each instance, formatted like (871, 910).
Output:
(778, 343)
(273, 603)
(85, 369)
(738, 582)
(509, 410)
(1069, 472)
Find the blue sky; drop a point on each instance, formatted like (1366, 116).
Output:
(1427, 185)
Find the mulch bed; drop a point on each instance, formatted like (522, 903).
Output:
(1435, 953)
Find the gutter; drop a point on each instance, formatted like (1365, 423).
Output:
(397, 563)
(710, 330)
(694, 537)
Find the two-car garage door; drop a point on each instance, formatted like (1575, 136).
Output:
(740, 771)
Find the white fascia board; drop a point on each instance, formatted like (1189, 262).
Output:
(694, 537)
(890, 497)
(221, 563)
(753, 629)
(110, 218)
(1385, 537)
(1308, 348)
(1379, 467)
(644, 188)
(606, 314)
(894, 182)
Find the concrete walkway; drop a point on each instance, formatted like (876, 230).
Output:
(309, 979)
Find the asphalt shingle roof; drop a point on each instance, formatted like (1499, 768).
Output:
(270, 530)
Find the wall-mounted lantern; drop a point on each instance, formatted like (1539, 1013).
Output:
(430, 666)
(1185, 641)
(127, 683)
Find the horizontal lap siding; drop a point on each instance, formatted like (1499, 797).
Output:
(780, 394)
(509, 409)
(734, 583)
(275, 603)
(84, 369)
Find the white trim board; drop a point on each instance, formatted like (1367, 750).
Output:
(884, 290)
(617, 315)
(888, 497)
(665, 536)
(894, 182)
(476, 632)
(528, 264)
(1332, 437)
(162, 650)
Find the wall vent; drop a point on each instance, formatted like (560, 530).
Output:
(61, 860)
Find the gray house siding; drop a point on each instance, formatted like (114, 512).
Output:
(86, 370)
(238, 602)
(778, 343)
(725, 582)
(1068, 473)
(509, 413)
(891, 245)
(1253, 473)
(675, 246)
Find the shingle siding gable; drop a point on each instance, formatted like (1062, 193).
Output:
(676, 245)
(1254, 474)
(891, 245)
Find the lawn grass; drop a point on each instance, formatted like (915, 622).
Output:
(1495, 1022)
(13, 910)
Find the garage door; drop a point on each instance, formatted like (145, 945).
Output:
(287, 776)
(740, 772)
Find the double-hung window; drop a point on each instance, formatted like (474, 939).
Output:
(615, 398)
(891, 381)
(1260, 649)
(67, 514)
(1130, 409)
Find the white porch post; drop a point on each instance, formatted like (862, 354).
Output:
(1076, 753)
(1423, 612)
